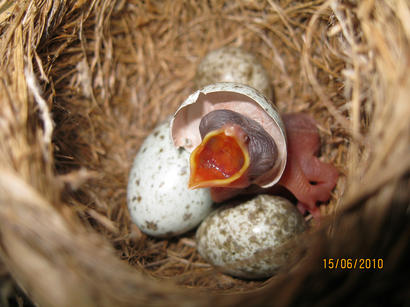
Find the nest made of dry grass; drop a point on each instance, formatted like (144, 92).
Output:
(83, 82)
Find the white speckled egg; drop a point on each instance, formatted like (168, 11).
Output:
(158, 197)
(247, 240)
(231, 64)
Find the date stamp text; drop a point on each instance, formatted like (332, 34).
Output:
(353, 263)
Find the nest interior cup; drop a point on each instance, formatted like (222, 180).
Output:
(83, 83)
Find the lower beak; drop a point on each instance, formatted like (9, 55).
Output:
(221, 160)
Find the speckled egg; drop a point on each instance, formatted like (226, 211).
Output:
(158, 197)
(231, 64)
(249, 240)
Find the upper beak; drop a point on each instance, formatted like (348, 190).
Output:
(221, 160)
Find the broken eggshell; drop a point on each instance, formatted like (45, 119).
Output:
(252, 239)
(232, 64)
(158, 197)
(239, 98)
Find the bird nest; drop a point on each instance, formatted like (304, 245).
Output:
(82, 84)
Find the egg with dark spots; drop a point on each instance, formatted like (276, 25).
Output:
(232, 64)
(158, 198)
(248, 240)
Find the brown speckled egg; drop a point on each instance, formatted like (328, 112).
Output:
(246, 240)
(231, 64)
(158, 198)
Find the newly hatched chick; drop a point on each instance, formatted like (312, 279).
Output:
(235, 150)
(239, 144)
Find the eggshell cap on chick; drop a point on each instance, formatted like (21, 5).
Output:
(239, 98)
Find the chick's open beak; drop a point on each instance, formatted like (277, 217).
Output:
(221, 160)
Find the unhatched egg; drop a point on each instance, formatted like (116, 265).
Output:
(246, 240)
(158, 197)
(232, 64)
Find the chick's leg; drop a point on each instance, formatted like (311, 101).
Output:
(305, 176)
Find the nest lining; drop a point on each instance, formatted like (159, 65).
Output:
(100, 76)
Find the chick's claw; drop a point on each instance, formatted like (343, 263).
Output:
(313, 210)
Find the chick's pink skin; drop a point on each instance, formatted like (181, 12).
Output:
(305, 176)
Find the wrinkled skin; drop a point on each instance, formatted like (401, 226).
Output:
(305, 176)
(262, 149)
(309, 179)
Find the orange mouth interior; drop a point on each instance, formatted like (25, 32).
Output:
(221, 160)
